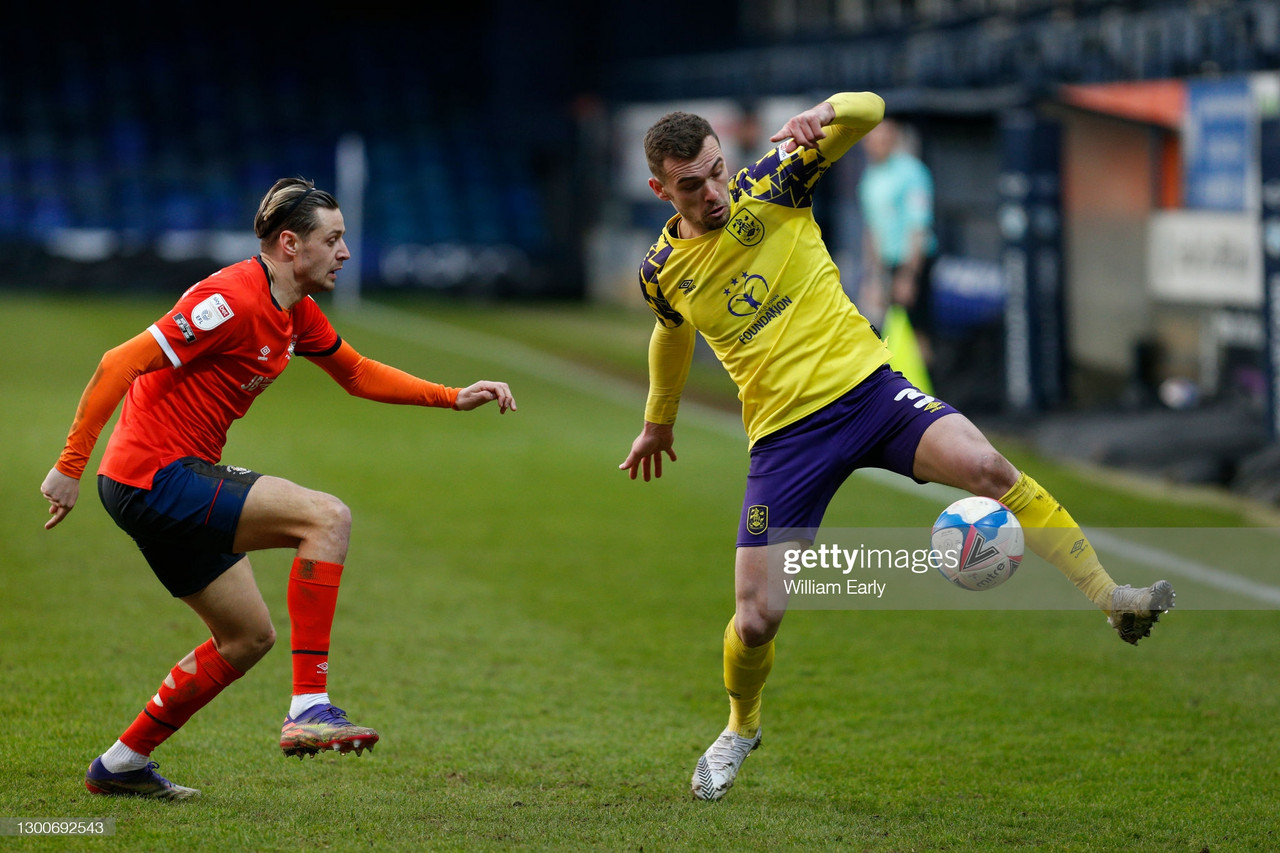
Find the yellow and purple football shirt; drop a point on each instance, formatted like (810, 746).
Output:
(764, 291)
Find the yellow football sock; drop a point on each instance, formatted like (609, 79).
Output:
(1052, 533)
(745, 671)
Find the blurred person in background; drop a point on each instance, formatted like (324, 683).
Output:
(742, 263)
(184, 380)
(896, 197)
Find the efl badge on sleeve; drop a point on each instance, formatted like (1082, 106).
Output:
(757, 519)
(212, 313)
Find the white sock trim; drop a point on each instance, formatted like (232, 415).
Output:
(302, 701)
(121, 759)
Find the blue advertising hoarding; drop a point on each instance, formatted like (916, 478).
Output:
(1219, 144)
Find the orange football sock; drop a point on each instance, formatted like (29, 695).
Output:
(181, 695)
(312, 597)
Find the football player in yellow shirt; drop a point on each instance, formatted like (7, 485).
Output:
(742, 263)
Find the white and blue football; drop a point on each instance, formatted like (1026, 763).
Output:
(977, 543)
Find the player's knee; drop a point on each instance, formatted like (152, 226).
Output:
(337, 515)
(756, 626)
(249, 647)
(332, 521)
(991, 475)
(262, 641)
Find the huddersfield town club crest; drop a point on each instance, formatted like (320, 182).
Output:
(746, 228)
(757, 519)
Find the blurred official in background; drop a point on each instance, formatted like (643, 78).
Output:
(896, 196)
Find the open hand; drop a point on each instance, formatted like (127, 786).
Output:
(646, 451)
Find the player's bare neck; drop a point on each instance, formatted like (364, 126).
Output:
(284, 290)
(285, 299)
(686, 231)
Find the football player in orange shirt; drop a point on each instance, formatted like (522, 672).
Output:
(184, 381)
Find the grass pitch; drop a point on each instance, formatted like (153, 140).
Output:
(538, 638)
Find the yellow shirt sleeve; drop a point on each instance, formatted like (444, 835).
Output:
(856, 114)
(670, 354)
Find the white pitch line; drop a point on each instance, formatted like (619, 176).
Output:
(421, 330)
(512, 355)
(1173, 564)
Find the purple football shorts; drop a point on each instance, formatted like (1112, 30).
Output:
(796, 470)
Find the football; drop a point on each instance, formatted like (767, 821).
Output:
(977, 543)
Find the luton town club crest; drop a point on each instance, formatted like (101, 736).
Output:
(757, 519)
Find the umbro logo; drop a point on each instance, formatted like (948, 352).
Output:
(687, 285)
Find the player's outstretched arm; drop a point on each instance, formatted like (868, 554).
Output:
(373, 380)
(476, 395)
(646, 451)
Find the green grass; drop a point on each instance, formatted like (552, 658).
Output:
(538, 638)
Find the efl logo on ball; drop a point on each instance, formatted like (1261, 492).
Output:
(977, 543)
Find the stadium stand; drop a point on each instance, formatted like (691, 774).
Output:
(112, 134)
(111, 138)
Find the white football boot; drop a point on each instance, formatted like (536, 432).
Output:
(718, 766)
(1134, 611)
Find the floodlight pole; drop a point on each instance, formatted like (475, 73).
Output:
(351, 170)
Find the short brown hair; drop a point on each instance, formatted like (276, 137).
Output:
(677, 135)
(291, 205)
